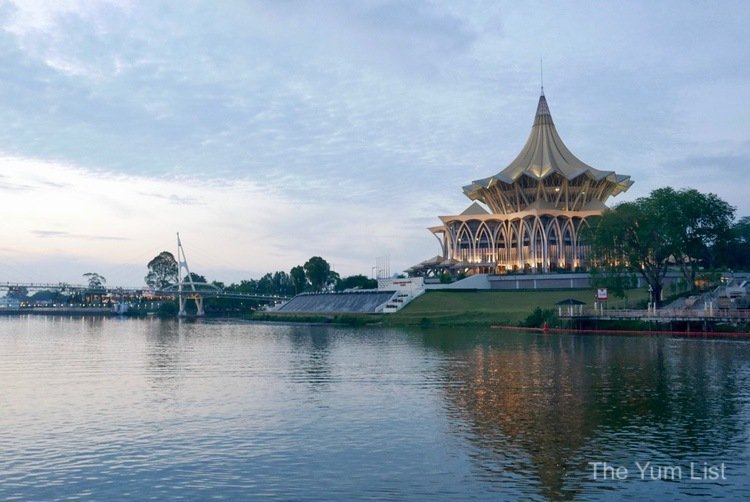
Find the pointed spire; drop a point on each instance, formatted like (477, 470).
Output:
(543, 115)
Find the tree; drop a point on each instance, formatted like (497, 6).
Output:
(666, 228)
(299, 279)
(95, 280)
(629, 239)
(317, 271)
(48, 297)
(265, 285)
(617, 278)
(282, 283)
(196, 278)
(735, 253)
(356, 282)
(333, 280)
(703, 223)
(245, 286)
(162, 271)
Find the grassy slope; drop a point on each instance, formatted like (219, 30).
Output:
(491, 307)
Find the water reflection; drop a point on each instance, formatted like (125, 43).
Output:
(97, 409)
(311, 347)
(163, 356)
(564, 401)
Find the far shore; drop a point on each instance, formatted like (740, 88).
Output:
(74, 311)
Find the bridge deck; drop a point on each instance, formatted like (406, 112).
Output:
(208, 292)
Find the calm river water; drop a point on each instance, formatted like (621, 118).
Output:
(104, 409)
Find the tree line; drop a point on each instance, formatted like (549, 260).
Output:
(313, 276)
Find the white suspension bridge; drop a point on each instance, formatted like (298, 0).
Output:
(185, 290)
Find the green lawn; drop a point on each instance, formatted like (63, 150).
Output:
(492, 307)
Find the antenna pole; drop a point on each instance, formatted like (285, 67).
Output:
(541, 73)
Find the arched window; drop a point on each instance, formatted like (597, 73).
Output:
(515, 256)
(554, 246)
(526, 247)
(502, 246)
(539, 247)
(568, 245)
(583, 248)
(483, 243)
(464, 244)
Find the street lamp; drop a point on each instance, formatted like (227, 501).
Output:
(651, 298)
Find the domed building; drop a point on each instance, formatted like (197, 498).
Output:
(532, 213)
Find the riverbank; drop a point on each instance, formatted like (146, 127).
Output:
(344, 319)
(637, 332)
(475, 308)
(66, 311)
(460, 308)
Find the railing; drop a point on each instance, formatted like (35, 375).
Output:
(665, 314)
(203, 289)
(400, 300)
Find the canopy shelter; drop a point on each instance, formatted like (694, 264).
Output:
(570, 301)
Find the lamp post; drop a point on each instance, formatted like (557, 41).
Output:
(651, 298)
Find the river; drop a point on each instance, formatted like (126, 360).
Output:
(106, 408)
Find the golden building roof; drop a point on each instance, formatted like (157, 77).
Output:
(545, 160)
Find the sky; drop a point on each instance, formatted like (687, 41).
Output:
(268, 132)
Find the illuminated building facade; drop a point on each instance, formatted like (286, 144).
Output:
(532, 213)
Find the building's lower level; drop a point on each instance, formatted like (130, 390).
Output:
(534, 241)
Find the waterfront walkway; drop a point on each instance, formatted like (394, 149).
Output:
(659, 315)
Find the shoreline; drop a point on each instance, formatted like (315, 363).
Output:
(82, 311)
(736, 334)
(382, 321)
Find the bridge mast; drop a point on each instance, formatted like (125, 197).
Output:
(193, 293)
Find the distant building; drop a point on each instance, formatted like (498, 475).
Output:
(532, 213)
(9, 303)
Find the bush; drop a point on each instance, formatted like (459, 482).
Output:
(539, 317)
(425, 323)
(168, 309)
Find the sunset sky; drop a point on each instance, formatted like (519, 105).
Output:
(269, 132)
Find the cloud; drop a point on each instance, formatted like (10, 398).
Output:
(175, 199)
(722, 174)
(5, 185)
(277, 130)
(68, 235)
(121, 221)
(157, 98)
(734, 164)
(50, 233)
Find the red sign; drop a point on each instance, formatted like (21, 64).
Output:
(601, 294)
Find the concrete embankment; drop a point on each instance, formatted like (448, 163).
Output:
(360, 302)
